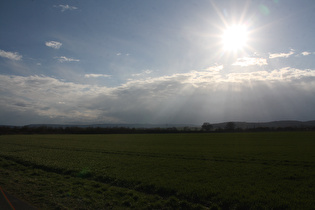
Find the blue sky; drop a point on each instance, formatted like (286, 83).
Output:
(155, 61)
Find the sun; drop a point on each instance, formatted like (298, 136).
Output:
(235, 38)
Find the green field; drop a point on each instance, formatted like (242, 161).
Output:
(161, 171)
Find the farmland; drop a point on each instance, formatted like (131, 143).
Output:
(161, 171)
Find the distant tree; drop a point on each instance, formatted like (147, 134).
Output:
(230, 126)
(206, 126)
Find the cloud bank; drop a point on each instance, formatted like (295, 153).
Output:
(192, 97)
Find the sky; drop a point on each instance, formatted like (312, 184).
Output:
(156, 61)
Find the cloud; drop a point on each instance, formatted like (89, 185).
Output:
(96, 75)
(10, 55)
(248, 61)
(119, 54)
(281, 55)
(62, 59)
(215, 68)
(192, 97)
(146, 72)
(73, 97)
(66, 7)
(53, 44)
(306, 53)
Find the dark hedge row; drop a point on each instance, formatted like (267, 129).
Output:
(4, 130)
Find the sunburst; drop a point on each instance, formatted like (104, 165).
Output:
(235, 38)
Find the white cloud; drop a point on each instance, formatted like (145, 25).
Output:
(306, 53)
(281, 55)
(96, 75)
(119, 54)
(65, 59)
(53, 44)
(48, 97)
(286, 75)
(66, 7)
(146, 72)
(215, 68)
(191, 97)
(10, 55)
(248, 61)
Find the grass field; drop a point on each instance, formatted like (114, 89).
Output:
(161, 171)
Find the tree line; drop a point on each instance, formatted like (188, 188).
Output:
(205, 128)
